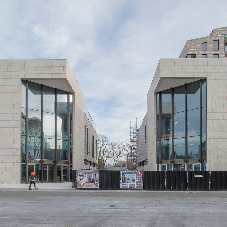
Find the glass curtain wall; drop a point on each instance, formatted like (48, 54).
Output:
(71, 127)
(179, 123)
(203, 110)
(34, 121)
(23, 133)
(48, 123)
(157, 126)
(182, 113)
(193, 120)
(62, 125)
(166, 132)
(46, 134)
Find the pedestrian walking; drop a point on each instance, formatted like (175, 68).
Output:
(32, 181)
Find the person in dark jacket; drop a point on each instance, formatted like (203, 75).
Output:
(32, 181)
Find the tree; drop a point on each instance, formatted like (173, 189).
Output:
(112, 153)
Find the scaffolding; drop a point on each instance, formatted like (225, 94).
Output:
(133, 146)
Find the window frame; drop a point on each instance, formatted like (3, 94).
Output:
(214, 49)
(203, 48)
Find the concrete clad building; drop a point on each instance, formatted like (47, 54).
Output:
(212, 46)
(42, 121)
(187, 109)
(142, 144)
(90, 142)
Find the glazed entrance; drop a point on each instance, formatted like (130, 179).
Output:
(46, 132)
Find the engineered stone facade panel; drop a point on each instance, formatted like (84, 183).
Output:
(166, 78)
(52, 73)
(89, 132)
(194, 46)
(142, 145)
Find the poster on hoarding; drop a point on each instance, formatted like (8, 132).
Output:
(131, 179)
(87, 179)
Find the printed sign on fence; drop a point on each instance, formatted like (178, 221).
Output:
(131, 179)
(87, 179)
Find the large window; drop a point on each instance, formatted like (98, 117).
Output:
(49, 123)
(166, 135)
(34, 121)
(204, 47)
(46, 130)
(181, 125)
(62, 125)
(193, 120)
(157, 125)
(203, 121)
(215, 45)
(23, 123)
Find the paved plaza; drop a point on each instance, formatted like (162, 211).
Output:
(72, 207)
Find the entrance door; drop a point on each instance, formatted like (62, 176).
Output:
(197, 167)
(48, 173)
(164, 167)
(31, 168)
(62, 173)
(36, 168)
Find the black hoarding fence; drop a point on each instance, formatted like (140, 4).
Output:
(109, 180)
(74, 181)
(176, 180)
(182, 180)
(161, 180)
(153, 180)
(198, 180)
(218, 180)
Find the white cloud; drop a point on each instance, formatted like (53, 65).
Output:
(112, 46)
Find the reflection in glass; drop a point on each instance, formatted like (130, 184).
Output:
(196, 124)
(71, 173)
(43, 128)
(204, 91)
(51, 173)
(204, 46)
(179, 123)
(193, 120)
(179, 167)
(34, 121)
(38, 173)
(44, 173)
(49, 123)
(23, 173)
(59, 173)
(215, 45)
(157, 126)
(65, 169)
(166, 139)
(62, 126)
(23, 123)
(71, 112)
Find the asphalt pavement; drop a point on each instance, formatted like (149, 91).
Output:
(67, 206)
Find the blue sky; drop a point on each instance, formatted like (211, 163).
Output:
(113, 46)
